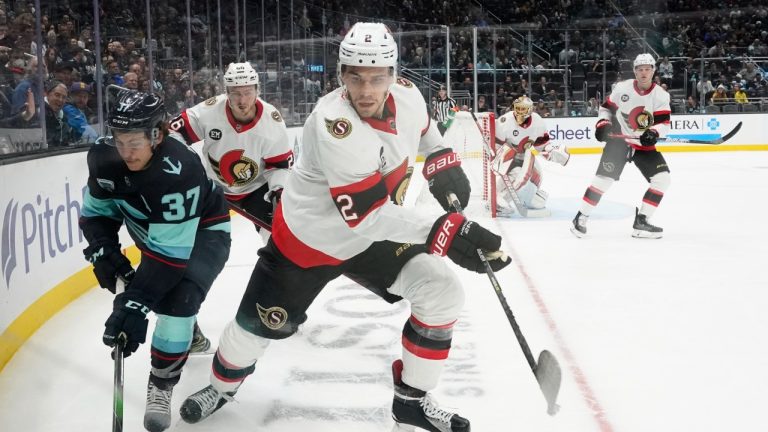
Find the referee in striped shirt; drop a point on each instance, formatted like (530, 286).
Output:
(440, 108)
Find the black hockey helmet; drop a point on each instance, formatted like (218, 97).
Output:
(133, 110)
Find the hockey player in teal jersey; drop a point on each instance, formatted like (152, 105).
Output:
(158, 188)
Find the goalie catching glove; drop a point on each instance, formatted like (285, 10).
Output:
(453, 235)
(442, 169)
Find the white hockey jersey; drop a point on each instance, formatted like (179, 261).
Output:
(508, 132)
(240, 157)
(346, 189)
(636, 110)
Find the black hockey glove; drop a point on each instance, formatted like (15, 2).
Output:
(649, 137)
(602, 128)
(108, 265)
(129, 317)
(459, 238)
(442, 169)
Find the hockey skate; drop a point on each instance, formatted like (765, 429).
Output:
(643, 229)
(579, 228)
(157, 416)
(202, 404)
(413, 408)
(201, 345)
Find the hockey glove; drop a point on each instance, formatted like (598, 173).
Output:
(556, 153)
(649, 138)
(108, 265)
(459, 238)
(502, 162)
(442, 169)
(602, 128)
(129, 317)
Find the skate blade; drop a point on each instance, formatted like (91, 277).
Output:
(646, 235)
(401, 427)
(577, 233)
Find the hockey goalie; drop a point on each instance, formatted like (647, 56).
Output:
(518, 171)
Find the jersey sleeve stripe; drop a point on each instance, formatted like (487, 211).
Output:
(188, 131)
(356, 201)
(294, 249)
(280, 161)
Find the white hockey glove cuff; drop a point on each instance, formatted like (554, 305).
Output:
(556, 153)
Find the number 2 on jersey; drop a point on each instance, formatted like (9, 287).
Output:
(345, 207)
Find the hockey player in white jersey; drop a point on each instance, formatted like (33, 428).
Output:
(245, 149)
(518, 133)
(341, 214)
(635, 108)
(245, 143)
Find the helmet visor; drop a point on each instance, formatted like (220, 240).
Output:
(130, 139)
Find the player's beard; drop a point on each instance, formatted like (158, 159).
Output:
(243, 113)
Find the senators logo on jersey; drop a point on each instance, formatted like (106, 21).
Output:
(235, 169)
(339, 128)
(276, 116)
(638, 119)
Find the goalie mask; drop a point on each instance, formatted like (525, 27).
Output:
(523, 106)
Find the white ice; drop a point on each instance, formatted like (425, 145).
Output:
(652, 335)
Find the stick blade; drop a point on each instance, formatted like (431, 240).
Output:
(730, 134)
(549, 376)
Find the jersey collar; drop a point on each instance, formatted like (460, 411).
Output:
(242, 127)
(641, 92)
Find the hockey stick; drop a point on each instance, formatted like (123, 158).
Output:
(547, 369)
(720, 140)
(117, 354)
(510, 193)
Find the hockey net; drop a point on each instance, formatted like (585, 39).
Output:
(471, 140)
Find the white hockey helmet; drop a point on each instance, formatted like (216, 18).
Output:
(522, 106)
(368, 44)
(644, 59)
(240, 74)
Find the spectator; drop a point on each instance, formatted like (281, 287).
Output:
(78, 114)
(592, 108)
(720, 97)
(63, 72)
(739, 95)
(57, 130)
(559, 109)
(19, 97)
(131, 81)
(666, 71)
(481, 104)
(23, 118)
(691, 105)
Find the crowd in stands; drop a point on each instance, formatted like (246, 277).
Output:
(731, 36)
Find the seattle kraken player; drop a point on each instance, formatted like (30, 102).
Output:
(179, 220)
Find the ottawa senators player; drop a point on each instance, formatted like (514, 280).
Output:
(518, 132)
(341, 215)
(246, 146)
(636, 108)
(246, 151)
